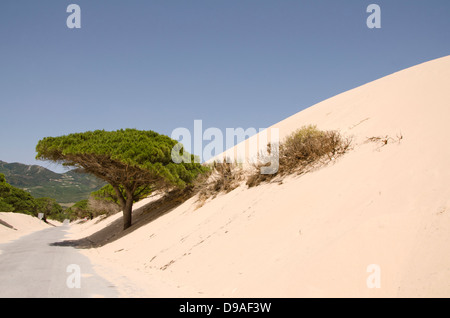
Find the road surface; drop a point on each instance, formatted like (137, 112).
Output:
(31, 267)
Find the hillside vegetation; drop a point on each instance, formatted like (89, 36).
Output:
(69, 187)
(13, 199)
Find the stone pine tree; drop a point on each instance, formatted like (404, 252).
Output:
(132, 161)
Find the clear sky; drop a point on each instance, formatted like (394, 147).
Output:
(161, 64)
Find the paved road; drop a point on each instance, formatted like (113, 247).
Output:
(32, 267)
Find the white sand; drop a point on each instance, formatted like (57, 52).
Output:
(22, 225)
(316, 235)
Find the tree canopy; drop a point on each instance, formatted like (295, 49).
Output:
(132, 161)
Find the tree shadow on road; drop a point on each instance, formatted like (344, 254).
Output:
(141, 216)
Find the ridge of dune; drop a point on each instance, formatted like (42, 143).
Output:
(373, 109)
(382, 205)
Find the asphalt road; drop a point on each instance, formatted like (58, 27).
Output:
(31, 267)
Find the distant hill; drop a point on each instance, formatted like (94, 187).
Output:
(69, 187)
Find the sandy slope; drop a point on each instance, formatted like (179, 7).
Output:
(316, 235)
(15, 225)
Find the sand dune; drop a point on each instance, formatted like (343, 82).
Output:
(15, 225)
(385, 205)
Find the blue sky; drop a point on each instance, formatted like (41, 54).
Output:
(159, 65)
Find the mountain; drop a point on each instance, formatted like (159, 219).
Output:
(69, 187)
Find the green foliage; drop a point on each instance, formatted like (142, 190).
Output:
(133, 162)
(146, 150)
(5, 207)
(50, 208)
(17, 200)
(107, 193)
(78, 211)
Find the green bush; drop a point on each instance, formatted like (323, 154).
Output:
(5, 207)
(50, 208)
(78, 211)
(16, 200)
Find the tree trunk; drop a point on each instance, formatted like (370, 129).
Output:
(127, 205)
(127, 211)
